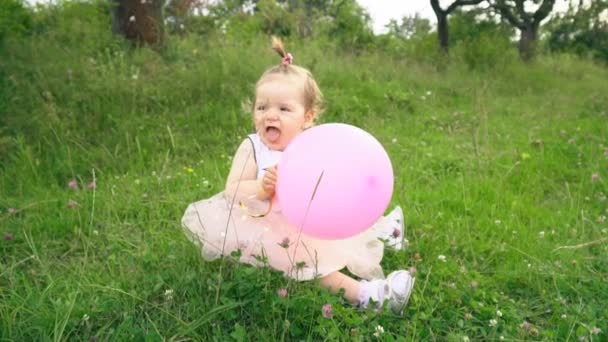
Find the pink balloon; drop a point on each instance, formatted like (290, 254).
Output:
(349, 173)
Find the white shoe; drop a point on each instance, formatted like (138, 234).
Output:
(396, 238)
(398, 288)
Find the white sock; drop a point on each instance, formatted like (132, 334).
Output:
(374, 290)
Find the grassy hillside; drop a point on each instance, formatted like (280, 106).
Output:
(502, 173)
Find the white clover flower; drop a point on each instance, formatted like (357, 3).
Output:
(497, 222)
(499, 313)
(465, 339)
(493, 322)
(541, 234)
(442, 258)
(85, 318)
(168, 294)
(428, 93)
(394, 140)
(378, 331)
(564, 316)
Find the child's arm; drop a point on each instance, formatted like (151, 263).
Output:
(243, 174)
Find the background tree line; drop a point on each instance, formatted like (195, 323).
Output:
(482, 30)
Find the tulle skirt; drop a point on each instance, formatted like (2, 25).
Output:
(220, 230)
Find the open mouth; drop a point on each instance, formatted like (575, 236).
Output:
(272, 133)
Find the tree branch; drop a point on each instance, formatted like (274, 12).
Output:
(519, 5)
(543, 11)
(459, 3)
(505, 11)
(437, 8)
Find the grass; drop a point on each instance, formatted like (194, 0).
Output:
(503, 172)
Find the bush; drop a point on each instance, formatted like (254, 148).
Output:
(15, 19)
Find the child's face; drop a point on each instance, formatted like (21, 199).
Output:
(279, 113)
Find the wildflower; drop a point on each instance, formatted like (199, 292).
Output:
(73, 184)
(474, 284)
(417, 257)
(493, 322)
(413, 271)
(541, 234)
(327, 311)
(92, 185)
(452, 285)
(85, 318)
(441, 257)
(394, 140)
(564, 316)
(502, 338)
(499, 313)
(596, 331)
(468, 316)
(497, 222)
(168, 295)
(465, 339)
(72, 204)
(284, 243)
(378, 331)
(428, 93)
(132, 18)
(396, 233)
(526, 326)
(595, 177)
(188, 169)
(282, 292)
(534, 332)
(8, 236)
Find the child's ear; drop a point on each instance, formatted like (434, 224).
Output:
(309, 118)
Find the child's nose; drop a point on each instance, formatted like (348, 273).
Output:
(272, 115)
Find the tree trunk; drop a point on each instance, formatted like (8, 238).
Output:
(442, 32)
(140, 21)
(527, 41)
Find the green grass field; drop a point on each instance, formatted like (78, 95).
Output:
(502, 173)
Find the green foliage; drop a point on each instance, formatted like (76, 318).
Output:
(582, 31)
(481, 42)
(351, 25)
(496, 168)
(15, 19)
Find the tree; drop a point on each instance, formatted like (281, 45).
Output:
(514, 11)
(581, 30)
(140, 21)
(442, 19)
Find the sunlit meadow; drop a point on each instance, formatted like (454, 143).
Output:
(502, 174)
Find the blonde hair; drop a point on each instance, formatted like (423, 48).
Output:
(313, 98)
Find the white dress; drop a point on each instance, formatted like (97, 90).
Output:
(220, 227)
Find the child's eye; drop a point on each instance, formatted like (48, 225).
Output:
(284, 109)
(261, 108)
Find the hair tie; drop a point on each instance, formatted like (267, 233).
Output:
(288, 59)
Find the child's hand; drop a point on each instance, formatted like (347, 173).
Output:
(269, 182)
